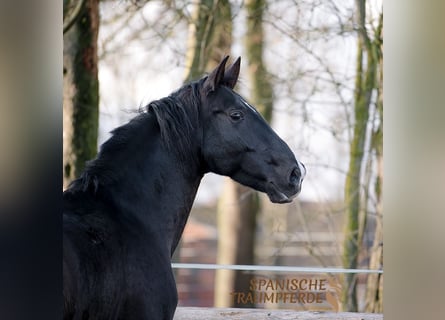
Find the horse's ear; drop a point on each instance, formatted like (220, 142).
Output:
(215, 78)
(231, 74)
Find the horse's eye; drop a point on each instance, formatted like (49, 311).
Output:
(236, 115)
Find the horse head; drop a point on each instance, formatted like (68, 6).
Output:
(239, 143)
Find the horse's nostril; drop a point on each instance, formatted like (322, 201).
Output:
(294, 178)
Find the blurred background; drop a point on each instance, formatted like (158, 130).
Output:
(312, 68)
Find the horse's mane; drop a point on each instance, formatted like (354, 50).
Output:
(177, 116)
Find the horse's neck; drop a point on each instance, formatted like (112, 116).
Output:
(152, 187)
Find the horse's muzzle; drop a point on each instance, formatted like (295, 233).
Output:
(286, 194)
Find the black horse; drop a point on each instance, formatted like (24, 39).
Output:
(124, 216)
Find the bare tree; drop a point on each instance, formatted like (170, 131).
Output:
(238, 206)
(374, 293)
(201, 32)
(356, 116)
(209, 35)
(367, 82)
(80, 87)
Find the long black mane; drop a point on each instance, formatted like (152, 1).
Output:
(177, 116)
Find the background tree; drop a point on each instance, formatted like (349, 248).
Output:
(201, 32)
(209, 39)
(239, 205)
(374, 293)
(367, 84)
(80, 86)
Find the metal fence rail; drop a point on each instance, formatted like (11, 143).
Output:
(205, 266)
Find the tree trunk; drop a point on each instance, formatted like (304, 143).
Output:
(261, 93)
(352, 191)
(365, 84)
(205, 50)
(237, 210)
(238, 206)
(200, 35)
(374, 292)
(80, 91)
